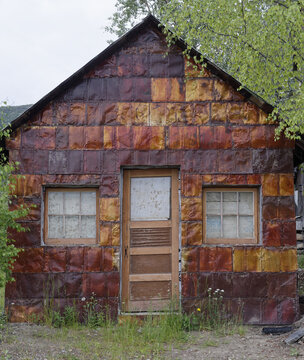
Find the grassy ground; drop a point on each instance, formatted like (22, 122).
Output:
(95, 336)
(149, 339)
(126, 342)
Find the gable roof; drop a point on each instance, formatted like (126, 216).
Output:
(150, 20)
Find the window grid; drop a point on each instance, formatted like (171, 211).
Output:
(81, 236)
(252, 212)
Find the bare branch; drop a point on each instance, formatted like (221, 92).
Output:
(148, 6)
(281, 4)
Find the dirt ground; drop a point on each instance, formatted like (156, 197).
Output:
(33, 342)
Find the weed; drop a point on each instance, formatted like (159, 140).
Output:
(3, 320)
(52, 316)
(210, 343)
(211, 314)
(134, 338)
(70, 316)
(5, 355)
(57, 320)
(294, 352)
(301, 261)
(241, 330)
(93, 317)
(3, 324)
(49, 312)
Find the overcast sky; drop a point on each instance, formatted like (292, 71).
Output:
(45, 41)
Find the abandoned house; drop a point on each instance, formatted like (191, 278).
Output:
(153, 180)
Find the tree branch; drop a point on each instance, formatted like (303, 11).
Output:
(148, 6)
(280, 4)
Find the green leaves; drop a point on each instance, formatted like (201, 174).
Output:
(8, 218)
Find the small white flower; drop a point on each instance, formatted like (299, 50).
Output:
(83, 299)
(12, 303)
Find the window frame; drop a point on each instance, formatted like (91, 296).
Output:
(69, 241)
(233, 241)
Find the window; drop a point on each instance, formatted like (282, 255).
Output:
(70, 216)
(150, 198)
(230, 216)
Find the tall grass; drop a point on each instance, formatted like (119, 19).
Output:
(149, 337)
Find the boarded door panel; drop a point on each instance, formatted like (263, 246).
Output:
(150, 264)
(150, 239)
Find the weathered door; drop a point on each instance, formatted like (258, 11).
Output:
(150, 239)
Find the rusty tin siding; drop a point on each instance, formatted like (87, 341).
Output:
(136, 109)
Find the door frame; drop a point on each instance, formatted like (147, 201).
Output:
(124, 226)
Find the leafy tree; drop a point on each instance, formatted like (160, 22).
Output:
(8, 217)
(261, 43)
(128, 12)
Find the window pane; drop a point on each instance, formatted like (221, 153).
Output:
(55, 227)
(88, 203)
(229, 226)
(72, 202)
(150, 198)
(72, 227)
(246, 203)
(230, 203)
(246, 226)
(229, 196)
(213, 196)
(88, 226)
(213, 208)
(55, 203)
(213, 229)
(230, 207)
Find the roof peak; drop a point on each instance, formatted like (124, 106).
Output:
(114, 47)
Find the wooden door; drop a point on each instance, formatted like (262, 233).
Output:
(150, 239)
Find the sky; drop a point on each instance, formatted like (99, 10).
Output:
(43, 42)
